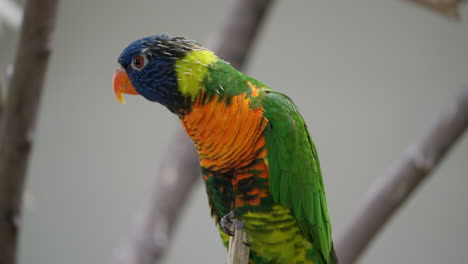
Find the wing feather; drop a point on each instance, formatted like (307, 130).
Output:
(295, 175)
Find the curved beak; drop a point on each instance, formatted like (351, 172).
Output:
(122, 84)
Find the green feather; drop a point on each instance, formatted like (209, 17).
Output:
(295, 175)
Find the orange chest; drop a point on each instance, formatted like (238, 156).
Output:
(226, 135)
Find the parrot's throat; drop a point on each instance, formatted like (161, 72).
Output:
(231, 148)
(230, 144)
(227, 136)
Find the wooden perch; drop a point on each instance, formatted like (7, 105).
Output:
(239, 250)
(392, 190)
(179, 170)
(19, 117)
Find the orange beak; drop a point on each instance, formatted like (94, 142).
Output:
(122, 84)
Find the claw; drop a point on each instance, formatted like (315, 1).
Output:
(229, 223)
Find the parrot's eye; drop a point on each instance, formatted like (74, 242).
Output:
(139, 62)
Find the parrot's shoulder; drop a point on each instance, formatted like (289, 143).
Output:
(276, 105)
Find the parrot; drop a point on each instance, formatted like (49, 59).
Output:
(258, 161)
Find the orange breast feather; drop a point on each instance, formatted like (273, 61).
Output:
(227, 136)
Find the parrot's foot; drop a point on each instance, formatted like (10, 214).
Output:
(229, 223)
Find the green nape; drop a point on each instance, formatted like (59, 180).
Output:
(201, 71)
(224, 80)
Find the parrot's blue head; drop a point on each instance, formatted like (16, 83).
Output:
(148, 67)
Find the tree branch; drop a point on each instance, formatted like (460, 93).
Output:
(239, 251)
(447, 8)
(2, 93)
(19, 117)
(392, 190)
(237, 36)
(180, 169)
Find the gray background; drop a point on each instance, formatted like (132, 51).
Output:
(368, 76)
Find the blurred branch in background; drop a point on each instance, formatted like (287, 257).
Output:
(392, 190)
(19, 117)
(2, 93)
(180, 169)
(448, 8)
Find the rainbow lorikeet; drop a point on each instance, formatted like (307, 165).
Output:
(257, 158)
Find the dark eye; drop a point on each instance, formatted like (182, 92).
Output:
(139, 62)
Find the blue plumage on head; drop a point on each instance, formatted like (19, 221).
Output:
(156, 80)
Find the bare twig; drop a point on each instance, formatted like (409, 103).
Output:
(2, 93)
(180, 169)
(19, 116)
(239, 250)
(447, 8)
(392, 190)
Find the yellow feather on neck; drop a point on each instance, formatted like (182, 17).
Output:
(191, 70)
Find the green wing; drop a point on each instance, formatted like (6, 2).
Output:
(295, 176)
